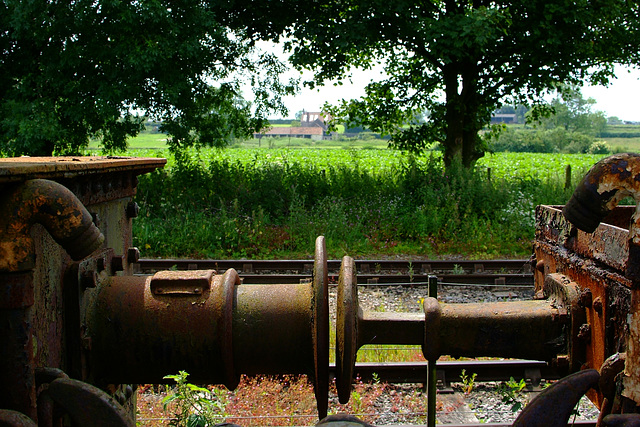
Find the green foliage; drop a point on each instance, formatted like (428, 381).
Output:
(556, 140)
(468, 381)
(75, 71)
(245, 203)
(511, 392)
(571, 112)
(194, 406)
(599, 147)
(478, 55)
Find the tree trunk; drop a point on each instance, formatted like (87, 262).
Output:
(462, 143)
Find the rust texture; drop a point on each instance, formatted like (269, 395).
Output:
(87, 405)
(49, 210)
(142, 328)
(524, 329)
(597, 245)
(632, 365)
(347, 309)
(140, 336)
(51, 205)
(595, 262)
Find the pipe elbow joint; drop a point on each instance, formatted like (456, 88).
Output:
(53, 206)
(602, 188)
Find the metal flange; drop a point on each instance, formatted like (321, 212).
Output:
(346, 328)
(320, 321)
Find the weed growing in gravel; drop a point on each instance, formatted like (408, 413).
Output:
(468, 381)
(511, 392)
(458, 269)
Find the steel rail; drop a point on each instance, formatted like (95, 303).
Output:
(449, 371)
(399, 273)
(418, 267)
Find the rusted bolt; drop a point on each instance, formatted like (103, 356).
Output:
(197, 291)
(88, 279)
(562, 315)
(132, 210)
(562, 361)
(159, 291)
(584, 333)
(597, 305)
(128, 391)
(117, 264)
(133, 255)
(586, 298)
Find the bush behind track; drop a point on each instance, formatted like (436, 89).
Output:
(262, 203)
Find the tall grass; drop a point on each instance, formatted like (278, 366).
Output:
(218, 207)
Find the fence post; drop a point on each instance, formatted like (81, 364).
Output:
(488, 174)
(567, 177)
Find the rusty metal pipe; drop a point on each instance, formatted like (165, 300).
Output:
(70, 224)
(602, 188)
(383, 328)
(53, 206)
(518, 329)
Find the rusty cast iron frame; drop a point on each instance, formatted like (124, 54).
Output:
(49, 210)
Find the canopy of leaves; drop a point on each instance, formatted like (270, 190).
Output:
(81, 69)
(460, 60)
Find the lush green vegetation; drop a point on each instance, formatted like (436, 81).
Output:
(264, 203)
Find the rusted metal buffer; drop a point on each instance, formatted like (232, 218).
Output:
(141, 328)
(55, 212)
(524, 329)
(595, 245)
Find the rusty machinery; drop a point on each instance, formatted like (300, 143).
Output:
(79, 327)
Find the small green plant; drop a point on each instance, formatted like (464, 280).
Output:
(378, 268)
(410, 272)
(192, 405)
(357, 405)
(458, 269)
(376, 378)
(511, 392)
(468, 381)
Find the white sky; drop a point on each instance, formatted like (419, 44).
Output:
(619, 99)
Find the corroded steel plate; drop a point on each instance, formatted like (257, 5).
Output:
(14, 169)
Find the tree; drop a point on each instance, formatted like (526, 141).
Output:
(573, 113)
(459, 60)
(74, 70)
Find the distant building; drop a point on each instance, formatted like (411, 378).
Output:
(294, 132)
(504, 118)
(310, 119)
(313, 125)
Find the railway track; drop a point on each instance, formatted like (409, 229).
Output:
(510, 273)
(531, 371)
